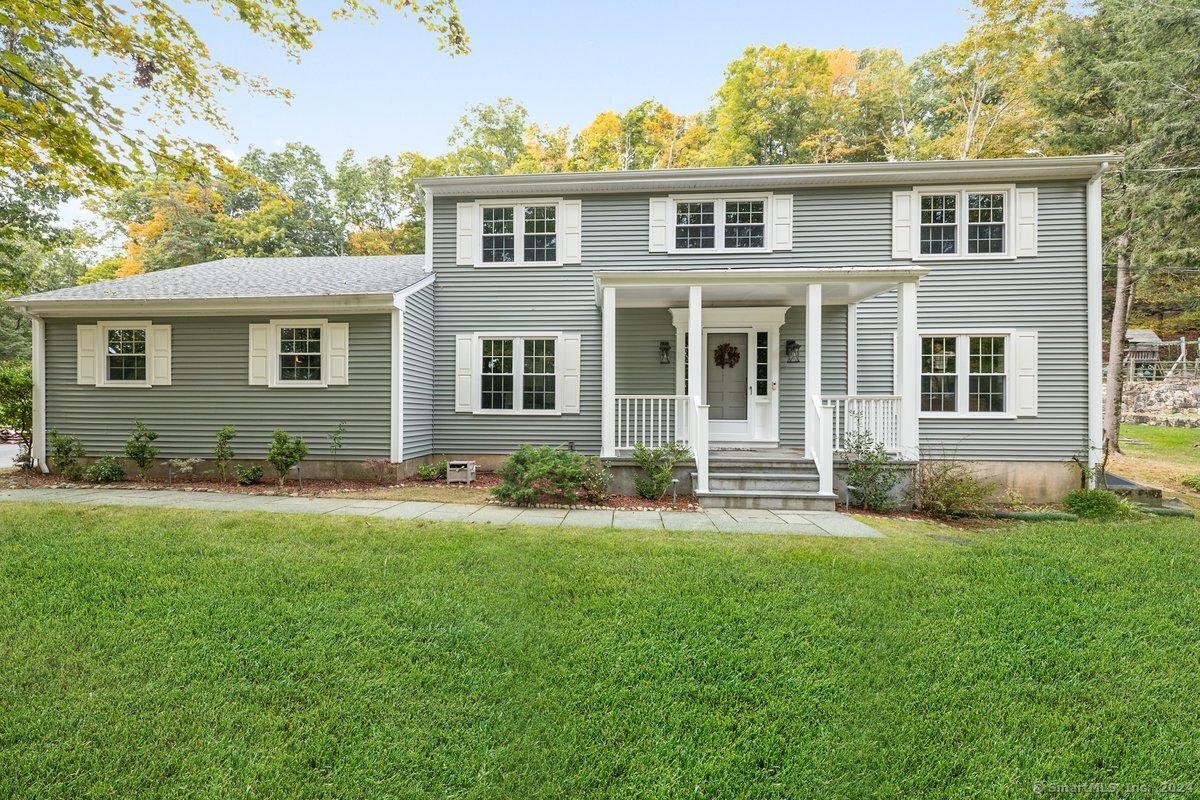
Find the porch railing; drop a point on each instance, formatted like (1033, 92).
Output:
(823, 443)
(878, 415)
(652, 420)
(655, 420)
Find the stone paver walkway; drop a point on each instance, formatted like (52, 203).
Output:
(733, 520)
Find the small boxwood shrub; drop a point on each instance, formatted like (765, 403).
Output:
(432, 472)
(285, 452)
(247, 475)
(659, 465)
(547, 474)
(223, 452)
(65, 452)
(106, 470)
(871, 475)
(139, 450)
(1099, 504)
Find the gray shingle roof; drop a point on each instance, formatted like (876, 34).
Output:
(256, 277)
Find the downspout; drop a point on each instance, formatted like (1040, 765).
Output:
(428, 229)
(1095, 337)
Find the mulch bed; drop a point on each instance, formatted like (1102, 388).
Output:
(318, 488)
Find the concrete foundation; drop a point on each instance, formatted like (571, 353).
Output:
(1035, 481)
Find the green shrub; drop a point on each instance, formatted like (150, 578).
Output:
(139, 450)
(1192, 482)
(106, 470)
(534, 474)
(247, 476)
(223, 452)
(285, 452)
(65, 452)
(335, 438)
(1098, 504)
(945, 486)
(16, 403)
(659, 465)
(432, 472)
(184, 467)
(871, 475)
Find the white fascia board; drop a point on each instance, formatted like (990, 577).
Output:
(204, 307)
(399, 298)
(762, 177)
(755, 276)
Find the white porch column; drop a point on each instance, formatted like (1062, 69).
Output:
(695, 338)
(812, 366)
(608, 372)
(908, 369)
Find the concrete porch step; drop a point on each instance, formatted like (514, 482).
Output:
(772, 500)
(763, 481)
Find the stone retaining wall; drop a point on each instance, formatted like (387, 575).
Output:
(1174, 403)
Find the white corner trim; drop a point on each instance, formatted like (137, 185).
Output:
(852, 349)
(397, 387)
(1095, 334)
(38, 433)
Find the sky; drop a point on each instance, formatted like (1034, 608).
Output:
(385, 88)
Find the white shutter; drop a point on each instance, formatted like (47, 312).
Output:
(464, 374)
(660, 215)
(904, 210)
(260, 354)
(337, 355)
(1026, 221)
(568, 362)
(86, 353)
(160, 355)
(781, 222)
(1026, 362)
(572, 231)
(465, 234)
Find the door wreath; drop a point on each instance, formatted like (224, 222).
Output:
(726, 355)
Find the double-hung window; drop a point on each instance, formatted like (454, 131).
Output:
(720, 224)
(965, 374)
(965, 222)
(519, 234)
(518, 374)
(300, 354)
(125, 355)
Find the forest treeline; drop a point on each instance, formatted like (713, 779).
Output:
(1028, 78)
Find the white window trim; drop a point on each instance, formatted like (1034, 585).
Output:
(1010, 197)
(273, 371)
(518, 207)
(102, 378)
(718, 201)
(518, 375)
(963, 362)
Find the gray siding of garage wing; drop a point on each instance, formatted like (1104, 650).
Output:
(418, 335)
(209, 389)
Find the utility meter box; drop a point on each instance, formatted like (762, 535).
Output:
(460, 472)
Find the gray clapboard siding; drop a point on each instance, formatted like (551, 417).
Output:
(833, 226)
(209, 390)
(418, 329)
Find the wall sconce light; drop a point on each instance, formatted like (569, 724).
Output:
(793, 351)
(664, 352)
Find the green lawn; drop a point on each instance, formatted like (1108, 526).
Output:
(184, 654)
(1177, 445)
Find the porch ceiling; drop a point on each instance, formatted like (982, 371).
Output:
(751, 287)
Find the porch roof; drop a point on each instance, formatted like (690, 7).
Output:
(663, 288)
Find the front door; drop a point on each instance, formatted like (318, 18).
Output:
(727, 385)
